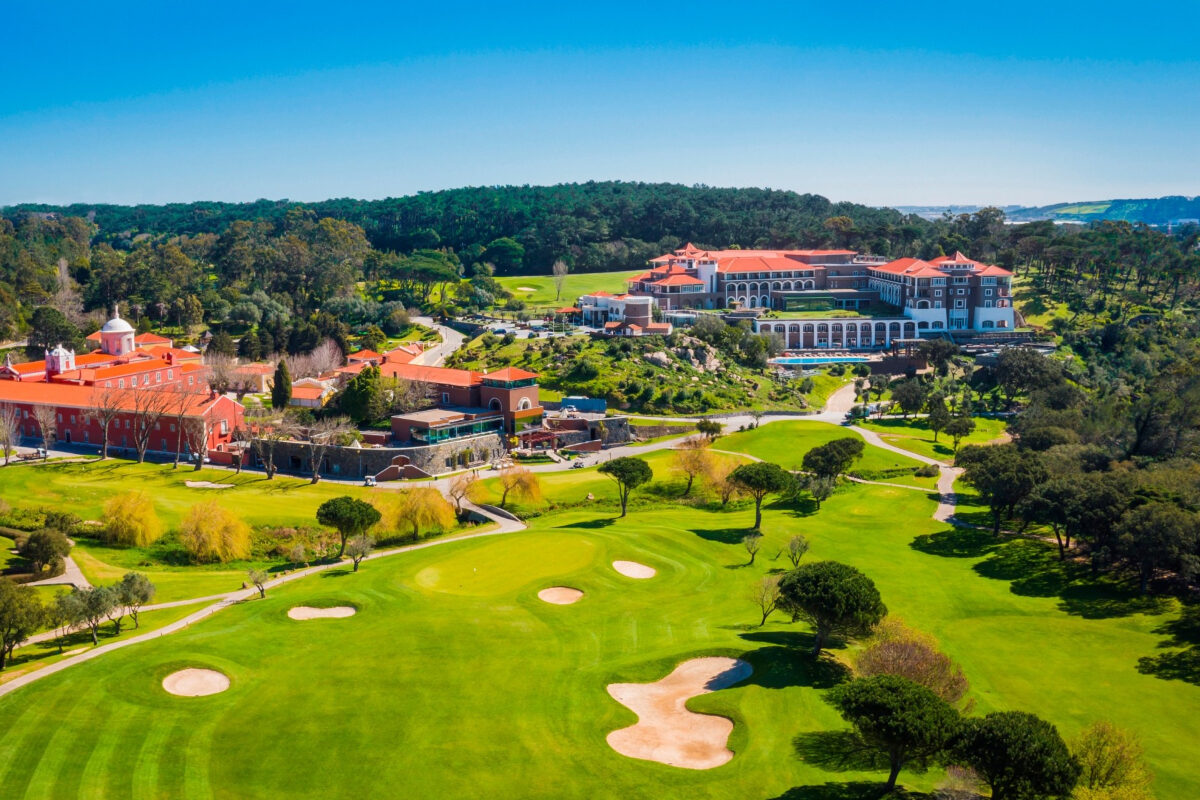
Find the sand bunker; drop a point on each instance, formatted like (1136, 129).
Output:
(666, 731)
(526, 289)
(560, 595)
(308, 612)
(632, 569)
(196, 682)
(207, 485)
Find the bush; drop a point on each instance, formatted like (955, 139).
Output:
(928, 471)
(212, 533)
(130, 520)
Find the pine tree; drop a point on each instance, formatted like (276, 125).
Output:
(222, 344)
(281, 389)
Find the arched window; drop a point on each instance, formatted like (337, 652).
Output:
(524, 404)
(494, 404)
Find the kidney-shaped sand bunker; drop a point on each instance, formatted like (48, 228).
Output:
(632, 569)
(310, 612)
(195, 682)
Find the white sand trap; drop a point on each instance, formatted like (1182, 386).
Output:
(666, 731)
(207, 485)
(560, 595)
(526, 289)
(308, 612)
(196, 682)
(632, 569)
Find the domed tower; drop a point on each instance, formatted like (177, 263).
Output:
(59, 360)
(116, 337)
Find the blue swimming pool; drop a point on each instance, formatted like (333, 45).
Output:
(806, 360)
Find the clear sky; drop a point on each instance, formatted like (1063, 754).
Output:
(877, 102)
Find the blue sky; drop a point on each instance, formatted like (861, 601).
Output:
(876, 102)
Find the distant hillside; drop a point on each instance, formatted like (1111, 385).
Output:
(1152, 211)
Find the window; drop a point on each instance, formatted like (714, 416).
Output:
(224, 427)
(158, 376)
(937, 292)
(445, 397)
(960, 303)
(937, 303)
(121, 383)
(170, 372)
(72, 419)
(987, 292)
(172, 427)
(987, 303)
(60, 417)
(190, 379)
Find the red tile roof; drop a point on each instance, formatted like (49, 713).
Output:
(70, 395)
(364, 355)
(510, 374)
(679, 280)
(442, 375)
(309, 392)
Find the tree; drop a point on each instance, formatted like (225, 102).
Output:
(710, 428)
(1018, 755)
(939, 415)
(44, 548)
(134, 591)
(1002, 474)
(629, 473)
(62, 614)
(359, 548)
(836, 599)
(47, 420)
(909, 395)
(520, 483)
(266, 429)
(259, 578)
(1159, 536)
(692, 459)
(462, 487)
(195, 431)
(211, 532)
(321, 435)
(104, 407)
(425, 507)
(896, 649)
(908, 723)
(938, 352)
(1112, 765)
(350, 516)
(765, 595)
(130, 520)
(48, 328)
(559, 271)
(833, 458)
(281, 386)
(95, 604)
(10, 430)
(363, 395)
(221, 344)
(147, 408)
(759, 479)
(753, 543)
(959, 427)
(21, 615)
(1022, 369)
(797, 546)
(820, 489)
(181, 398)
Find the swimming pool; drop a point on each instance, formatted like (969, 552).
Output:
(804, 360)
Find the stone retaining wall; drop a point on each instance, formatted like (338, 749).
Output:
(359, 462)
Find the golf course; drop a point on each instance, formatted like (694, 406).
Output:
(451, 677)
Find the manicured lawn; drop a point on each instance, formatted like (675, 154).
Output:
(538, 290)
(454, 680)
(914, 435)
(786, 442)
(84, 486)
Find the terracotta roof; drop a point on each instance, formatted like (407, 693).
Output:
(679, 280)
(71, 395)
(141, 338)
(177, 354)
(911, 267)
(308, 392)
(510, 374)
(403, 354)
(442, 375)
(364, 355)
(567, 310)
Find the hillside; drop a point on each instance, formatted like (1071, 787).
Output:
(1152, 211)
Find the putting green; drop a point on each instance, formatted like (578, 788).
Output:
(489, 570)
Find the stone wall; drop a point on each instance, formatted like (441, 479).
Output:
(644, 432)
(351, 463)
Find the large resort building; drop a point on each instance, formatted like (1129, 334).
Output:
(834, 298)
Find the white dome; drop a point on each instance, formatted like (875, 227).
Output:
(116, 324)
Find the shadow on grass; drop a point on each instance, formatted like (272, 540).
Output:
(591, 524)
(838, 751)
(785, 662)
(1183, 664)
(722, 535)
(337, 573)
(956, 543)
(851, 790)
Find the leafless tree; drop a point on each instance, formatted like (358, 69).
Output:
(47, 420)
(765, 595)
(105, 407)
(195, 429)
(559, 270)
(222, 371)
(753, 543)
(265, 429)
(66, 296)
(182, 399)
(325, 357)
(321, 435)
(10, 430)
(148, 407)
(405, 395)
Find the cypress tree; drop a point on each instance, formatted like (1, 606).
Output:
(281, 389)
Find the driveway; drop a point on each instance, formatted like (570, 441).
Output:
(451, 341)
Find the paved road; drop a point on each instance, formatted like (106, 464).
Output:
(451, 341)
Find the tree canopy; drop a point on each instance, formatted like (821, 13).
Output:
(835, 598)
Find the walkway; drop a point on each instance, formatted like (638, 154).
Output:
(71, 576)
(436, 355)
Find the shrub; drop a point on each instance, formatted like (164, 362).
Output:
(130, 520)
(928, 471)
(212, 533)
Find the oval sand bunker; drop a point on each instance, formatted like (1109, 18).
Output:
(560, 595)
(196, 682)
(308, 612)
(632, 569)
(666, 731)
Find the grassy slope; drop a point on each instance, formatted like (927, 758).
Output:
(785, 443)
(461, 679)
(914, 435)
(577, 284)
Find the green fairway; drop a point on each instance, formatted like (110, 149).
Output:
(786, 442)
(454, 680)
(538, 290)
(914, 435)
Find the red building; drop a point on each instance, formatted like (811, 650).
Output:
(507, 396)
